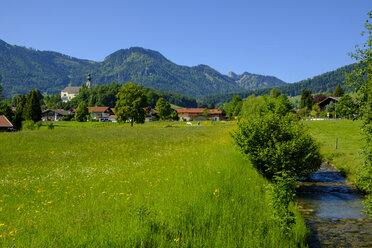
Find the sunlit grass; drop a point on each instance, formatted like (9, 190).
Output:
(349, 143)
(154, 185)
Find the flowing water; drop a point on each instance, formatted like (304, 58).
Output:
(333, 209)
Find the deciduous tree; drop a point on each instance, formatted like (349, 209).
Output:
(130, 104)
(361, 78)
(274, 93)
(164, 109)
(82, 112)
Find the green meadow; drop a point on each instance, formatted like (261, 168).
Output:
(346, 157)
(153, 185)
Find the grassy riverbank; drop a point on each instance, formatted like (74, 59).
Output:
(154, 185)
(349, 143)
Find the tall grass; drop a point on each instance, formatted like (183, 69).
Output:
(147, 186)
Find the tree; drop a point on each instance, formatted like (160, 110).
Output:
(6, 110)
(32, 109)
(18, 115)
(174, 116)
(307, 100)
(130, 104)
(346, 106)
(274, 93)
(338, 91)
(206, 113)
(164, 109)
(331, 107)
(82, 112)
(233, 108)
(319, 97)
(361, 78)
(1, 93)
(212, 106)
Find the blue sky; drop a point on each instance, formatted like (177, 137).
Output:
(292, 40)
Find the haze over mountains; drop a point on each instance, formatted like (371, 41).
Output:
(23, 69)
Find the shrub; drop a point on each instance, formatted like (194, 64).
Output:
(50, 126)
(68, 117)
(323, 115)
(28, 125)
(38, 125)
(275, 144)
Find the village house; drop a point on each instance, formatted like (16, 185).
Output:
(322, 105)
(100, 113)
(54, 114)
(196, 114)
(5, 124)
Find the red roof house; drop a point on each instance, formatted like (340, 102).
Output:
(5, 124)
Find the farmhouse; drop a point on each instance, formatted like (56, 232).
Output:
(196, 114)
(54, 114)
(5, 124)
(322, 105)
(100, 113)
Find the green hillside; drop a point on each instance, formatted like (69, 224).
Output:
(23, 69)
(325, 83)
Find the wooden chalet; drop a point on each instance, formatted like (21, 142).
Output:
(322, 105)
(5, 124)
(54, 114)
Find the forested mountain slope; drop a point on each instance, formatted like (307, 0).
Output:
(23, 69)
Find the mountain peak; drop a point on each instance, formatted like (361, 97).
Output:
(232, 75)
(125, 53)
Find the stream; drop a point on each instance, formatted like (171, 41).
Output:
(333, 209)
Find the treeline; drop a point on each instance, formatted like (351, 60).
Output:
(28, 111)
(324, 83)
(105, 95)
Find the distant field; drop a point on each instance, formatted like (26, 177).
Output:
(154, 185)
(350, 142)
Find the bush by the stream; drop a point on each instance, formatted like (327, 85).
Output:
(279, 147)
(275, 143)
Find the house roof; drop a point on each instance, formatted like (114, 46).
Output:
(99, 109)
(72, 89)
(335, 98)
(4, 122)
(58, 111)
(197, 111)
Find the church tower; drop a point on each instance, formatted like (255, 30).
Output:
(88, 83)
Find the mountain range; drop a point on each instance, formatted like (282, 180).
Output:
(23, 69)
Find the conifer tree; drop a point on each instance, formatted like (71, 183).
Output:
(307, 99)
(338, 91)
(32, 109)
